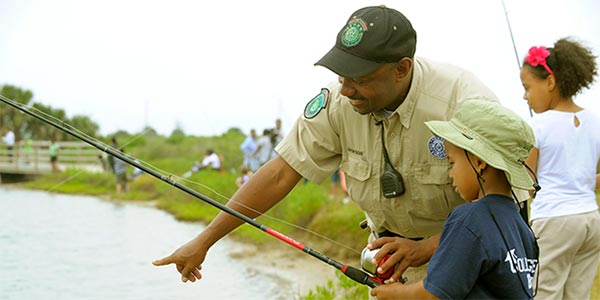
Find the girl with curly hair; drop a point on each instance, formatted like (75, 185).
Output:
(566, 156)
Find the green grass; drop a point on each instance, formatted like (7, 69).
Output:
(307, 206)
(342, 288)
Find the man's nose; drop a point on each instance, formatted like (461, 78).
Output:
(348, 89)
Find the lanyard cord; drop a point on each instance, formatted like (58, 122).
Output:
(385, 153)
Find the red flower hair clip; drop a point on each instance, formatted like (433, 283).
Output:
(537, 56)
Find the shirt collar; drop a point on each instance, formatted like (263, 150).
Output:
(406, 110)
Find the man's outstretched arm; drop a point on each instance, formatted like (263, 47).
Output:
(271, 183)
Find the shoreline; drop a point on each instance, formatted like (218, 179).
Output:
(275, 259)
(278, 260)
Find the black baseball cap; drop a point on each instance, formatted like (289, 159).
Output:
(373, 36)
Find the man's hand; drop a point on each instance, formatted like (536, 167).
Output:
(266, 188)
(188, 260)
(404, 252)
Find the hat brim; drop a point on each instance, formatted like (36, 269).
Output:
(347, 65)
(516, 173)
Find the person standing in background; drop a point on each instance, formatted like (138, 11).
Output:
(120, 169)
(248, 148)
(53, 149)
(564, 213)
(111, 159)
(264, 148)
(277, 136)
(9, 139)
(338, 189)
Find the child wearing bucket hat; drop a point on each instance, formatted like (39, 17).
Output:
(486, 250)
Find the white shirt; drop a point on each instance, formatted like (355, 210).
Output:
(567, 163)
(9, 138)
(212, 160)
(263, 153)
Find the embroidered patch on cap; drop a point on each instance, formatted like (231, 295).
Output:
(353, 32)
(316, 104)
(436, 147)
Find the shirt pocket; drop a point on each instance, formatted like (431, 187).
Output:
(358, 181)
(433, 196)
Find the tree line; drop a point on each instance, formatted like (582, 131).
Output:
(25, 126)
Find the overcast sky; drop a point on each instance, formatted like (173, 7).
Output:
(207, 66)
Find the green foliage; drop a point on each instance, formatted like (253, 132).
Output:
(25, 126)
(11, 118)
(149, 131)
(85, 124)
(306, 206)
(322, 292)
(75, 181)
(177, 155)
(233, 131)
(178, 131)
(342, 288)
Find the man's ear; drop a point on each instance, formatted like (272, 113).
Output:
(404, 67)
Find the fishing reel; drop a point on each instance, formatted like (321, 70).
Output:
(366, 262)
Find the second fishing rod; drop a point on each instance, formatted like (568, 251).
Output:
(351, 272)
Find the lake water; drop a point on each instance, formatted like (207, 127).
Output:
(64, 247)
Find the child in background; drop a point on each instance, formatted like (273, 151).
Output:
(53, 150)
(246, 173)
(486, 250)
(564, 214)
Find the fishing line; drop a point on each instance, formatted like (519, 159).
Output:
(512, 38)
(271, 217)
(179, 178)
(351, 272)
(52, 188)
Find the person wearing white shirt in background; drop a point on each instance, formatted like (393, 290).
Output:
(265, 148)
(9, 139)
(212, 160)
(248, 147)
(564, 213)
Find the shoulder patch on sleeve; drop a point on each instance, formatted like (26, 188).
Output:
(316, 104)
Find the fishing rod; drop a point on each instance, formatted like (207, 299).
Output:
(512, 38)
(522, 205)
(351, 272)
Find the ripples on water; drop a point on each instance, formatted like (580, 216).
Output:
(56, 246)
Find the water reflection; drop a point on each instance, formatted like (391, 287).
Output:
(75, 247)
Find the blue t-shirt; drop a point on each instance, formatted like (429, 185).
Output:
(476, 260)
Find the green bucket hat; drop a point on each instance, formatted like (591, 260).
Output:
(493, 133)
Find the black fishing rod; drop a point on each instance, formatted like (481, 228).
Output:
(351, 272)
(524, 211)
(512, 38)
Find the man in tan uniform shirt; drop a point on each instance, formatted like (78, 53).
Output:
(382, 89)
